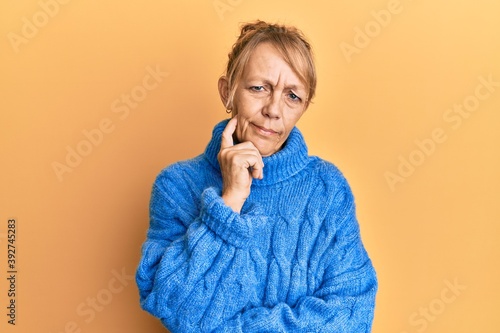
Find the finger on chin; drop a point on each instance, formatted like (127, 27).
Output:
(227, 134)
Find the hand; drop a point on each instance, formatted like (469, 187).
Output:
(239, 164)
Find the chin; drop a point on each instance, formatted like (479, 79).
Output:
(266, 147)
(266, 151)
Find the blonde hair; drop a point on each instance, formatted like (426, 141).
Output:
(288, 40)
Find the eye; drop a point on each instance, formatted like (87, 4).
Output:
(294, 97)
(257, 88)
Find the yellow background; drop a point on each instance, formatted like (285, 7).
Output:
(435, 227)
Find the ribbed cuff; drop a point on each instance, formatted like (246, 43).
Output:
(239, 230)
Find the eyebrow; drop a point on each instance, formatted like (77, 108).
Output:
(267, 82)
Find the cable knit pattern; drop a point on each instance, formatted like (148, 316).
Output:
(291, 261)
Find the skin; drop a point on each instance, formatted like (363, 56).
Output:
(268, 102)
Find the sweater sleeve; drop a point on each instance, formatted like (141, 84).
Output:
(345, 299)
(192, 271)
(195, 273)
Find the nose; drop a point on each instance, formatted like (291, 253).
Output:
(273, 107)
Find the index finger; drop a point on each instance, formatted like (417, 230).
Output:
(227, 134)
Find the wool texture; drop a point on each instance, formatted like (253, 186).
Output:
(291, 261)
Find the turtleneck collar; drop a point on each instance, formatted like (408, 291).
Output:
(281, 165)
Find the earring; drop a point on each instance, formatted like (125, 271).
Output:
(228, 111)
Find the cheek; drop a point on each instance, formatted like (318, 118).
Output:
(241, 127)
(289, 120)
(295, 115)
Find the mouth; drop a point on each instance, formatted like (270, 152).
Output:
(264, 131)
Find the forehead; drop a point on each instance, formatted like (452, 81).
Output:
(265, 62)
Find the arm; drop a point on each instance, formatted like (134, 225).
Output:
(191, 274)
(195, 270)
(345, 298)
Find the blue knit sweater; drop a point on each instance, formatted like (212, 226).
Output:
(291, 261)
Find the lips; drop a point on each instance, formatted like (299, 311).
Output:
(264, 130)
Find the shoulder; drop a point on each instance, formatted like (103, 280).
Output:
(328, 173)
(331, 185)
(182, 172)
(177, 188)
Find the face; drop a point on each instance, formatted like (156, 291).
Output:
(268, 101)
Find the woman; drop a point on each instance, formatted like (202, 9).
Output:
(254, 235)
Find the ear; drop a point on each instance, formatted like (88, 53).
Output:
(223, 85)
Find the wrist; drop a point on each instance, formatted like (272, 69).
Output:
(235, 202)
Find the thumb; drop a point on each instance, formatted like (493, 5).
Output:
(227, 134)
